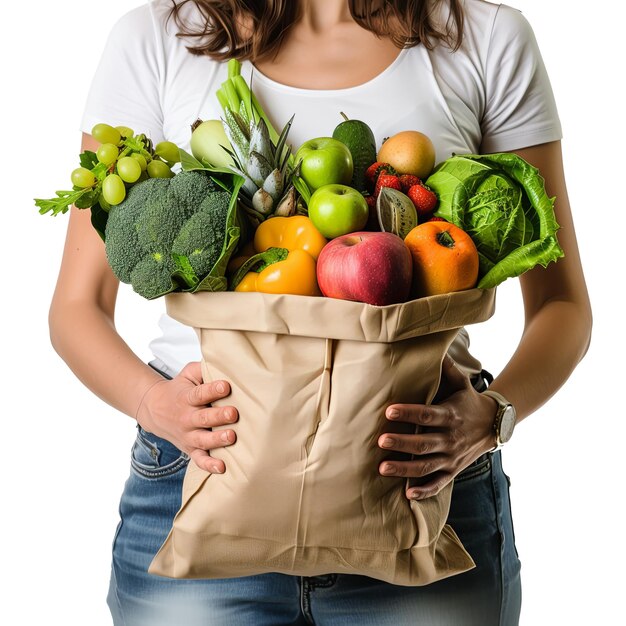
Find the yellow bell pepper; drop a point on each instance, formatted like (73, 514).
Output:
(294, 233)
(287, 249)
(295, 275)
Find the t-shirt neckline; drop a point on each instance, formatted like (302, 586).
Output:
(258, 76)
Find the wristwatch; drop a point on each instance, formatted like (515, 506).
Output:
(504, 422)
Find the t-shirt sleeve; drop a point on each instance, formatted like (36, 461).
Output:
(520, 109)
(125, 88)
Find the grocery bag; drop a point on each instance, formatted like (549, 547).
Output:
(311, 378)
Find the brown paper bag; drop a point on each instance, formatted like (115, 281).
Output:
(311, 378)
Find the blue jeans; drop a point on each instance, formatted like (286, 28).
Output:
(488, 595)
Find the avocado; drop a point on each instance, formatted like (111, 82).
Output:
(359, 138)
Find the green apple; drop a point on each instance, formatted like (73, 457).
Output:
(325, 161)
(206, 143)
(337, 210)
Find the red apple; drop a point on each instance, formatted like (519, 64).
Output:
(370, 267)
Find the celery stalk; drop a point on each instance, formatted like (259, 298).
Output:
(231, 95)
(235, 91)
(256, 105)
(222, 99)
(234, 68)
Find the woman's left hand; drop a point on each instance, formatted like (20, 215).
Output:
(451, 433)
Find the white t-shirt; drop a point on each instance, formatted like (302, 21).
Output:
(491, 95)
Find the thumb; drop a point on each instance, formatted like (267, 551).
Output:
(193, 372)
(452, 379)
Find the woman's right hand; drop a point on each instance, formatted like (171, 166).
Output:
(179, 410)
(82, 331)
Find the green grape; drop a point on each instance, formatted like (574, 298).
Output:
(82, 177)
(159, 169)
(106, 134)
(107, 153)
(113, 190)
(125, 131)
(141, 159)
(104, 205)
(128, 169)
(168, 151)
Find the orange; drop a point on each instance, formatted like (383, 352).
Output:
(445, 259)
(409, 152)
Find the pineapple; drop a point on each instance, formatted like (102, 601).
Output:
(268, 188)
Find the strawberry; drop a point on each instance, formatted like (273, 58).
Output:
(387, 180)
(374, 170)
(408, 180)
(371, 202)
(423, 198)
(435, 218)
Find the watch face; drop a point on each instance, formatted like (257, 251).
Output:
(507, 424)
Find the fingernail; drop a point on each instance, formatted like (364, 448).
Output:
(414, 495)
(229, 415)
(387, 442)
(225, 436)
(387, 469)
(216, 469)
(220, 387)
(393, 413)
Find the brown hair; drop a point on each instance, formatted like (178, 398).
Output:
(222, 34)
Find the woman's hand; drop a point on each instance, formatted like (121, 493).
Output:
(179, 411)
(450, 434)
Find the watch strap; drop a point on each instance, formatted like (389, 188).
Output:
(503, 403)
(499, 398)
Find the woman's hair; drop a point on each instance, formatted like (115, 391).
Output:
(256, 29)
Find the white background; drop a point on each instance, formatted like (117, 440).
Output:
(67, 452)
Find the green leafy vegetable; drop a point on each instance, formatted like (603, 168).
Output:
(501, 202)
(88, 159)
(62, 202)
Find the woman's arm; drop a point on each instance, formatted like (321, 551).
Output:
(82, 331)
(556, 335)
(557, 327)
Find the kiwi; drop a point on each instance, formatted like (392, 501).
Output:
(359, 138)
(396, 212)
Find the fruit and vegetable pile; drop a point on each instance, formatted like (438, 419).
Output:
(341, 217)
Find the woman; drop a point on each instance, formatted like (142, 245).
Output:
(466, 73)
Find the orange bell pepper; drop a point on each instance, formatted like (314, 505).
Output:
(287, 249)
(295, 275)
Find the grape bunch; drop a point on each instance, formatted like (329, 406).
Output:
(121, 160)
(127, 160)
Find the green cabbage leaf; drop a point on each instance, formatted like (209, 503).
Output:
(500, 201)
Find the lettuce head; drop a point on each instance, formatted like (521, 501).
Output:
(500, 201)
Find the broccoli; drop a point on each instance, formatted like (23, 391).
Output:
(152, 276)
(202, 236)
(121, 233)
(141, 231)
